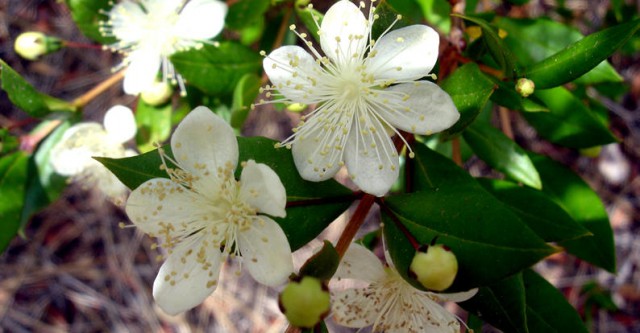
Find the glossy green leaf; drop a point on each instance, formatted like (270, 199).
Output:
(217, 69)
(242, 13)
(154, 125)
(13, 176)
(310, 17)
(501, 153)
(311, 206)
(547, 308)
(8, 142)
(87, 14)
(569, 122)
(571, 193)
(533, 40)
(409, 9)
(323, 264)
(43, 184)
(470, 91)
(489, 240)
(506, 95)
(541, 214)
(244, 94)
(580, 57)
(436, 12)
(502, 304)
(26, 97)
(500, 53)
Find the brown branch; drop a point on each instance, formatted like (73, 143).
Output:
(97, 90)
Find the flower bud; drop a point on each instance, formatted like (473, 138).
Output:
(435, 268)
(525, 87)
(31, 45)
(157, 94)
(305, 303)
(296, 107)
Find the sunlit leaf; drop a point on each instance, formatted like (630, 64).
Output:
(13, 177)
(154, 125)
(244, 94)
(87, 14)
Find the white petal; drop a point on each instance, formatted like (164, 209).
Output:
(106, 181)
(201, 19)
(120, 124)
(183, 282)
(160, 202)
(72, 154)
(202, 142)
(427, 109)
(371, 158)
(408, 53)
(266, 252)
(294, 72)
(143, 67)
(361, 264)
(459, 296)
(313, 153)
(352, 308)
(344, 32)
(261, 187)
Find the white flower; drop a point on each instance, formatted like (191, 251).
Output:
(149, 31)
(387, 301)
(202, 215)
(365, 91)
(72, 155)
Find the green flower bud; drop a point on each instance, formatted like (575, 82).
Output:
(158, 94)
(31, 45)
(305, 303)
(296, 107)
(435, 268)
(525, 87)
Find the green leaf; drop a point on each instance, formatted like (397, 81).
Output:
(154, 125)
(311, 206)
(242, 13)
(470, 91)
(569, 122)
(436, 12)
(310, 17)
(387, 17)
(547, 308)
(489, 240)
(216, 69)
(506, 95)
(13, 176)
(501, 153)
(541, 214)
(244, 94)
(529, 40)
(87, 14)
(500, 53)
(580, 57)
(571, 193)
(26, 97)
(323, 264)
(43, 184)
(502, 304)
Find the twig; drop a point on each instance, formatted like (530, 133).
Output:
(97, 90)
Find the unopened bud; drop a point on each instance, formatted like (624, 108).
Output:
(435, 268)
(296, 107)
(525, 87)
(157, 94)
(305, 303)
(31, 45)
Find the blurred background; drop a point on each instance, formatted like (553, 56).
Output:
(75, 270)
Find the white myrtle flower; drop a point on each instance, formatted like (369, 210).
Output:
(365, 90)
(149, 31)
(73, 155)
(387, 301)
(203, 215)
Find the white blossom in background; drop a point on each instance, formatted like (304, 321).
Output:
(150, 31)
(202, 215)
(72, 155)
(365, 90)
(386, 301)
